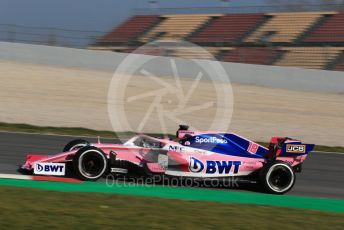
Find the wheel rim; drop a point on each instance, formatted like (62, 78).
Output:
(92, 164)
(77, 146)
(280, 178)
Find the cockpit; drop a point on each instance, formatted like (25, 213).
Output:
(145, 142)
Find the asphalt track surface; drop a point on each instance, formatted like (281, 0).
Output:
(322, 175)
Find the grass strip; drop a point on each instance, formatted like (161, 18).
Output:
(186, 193)
(23, 208)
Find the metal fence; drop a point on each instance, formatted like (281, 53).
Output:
(240, 9)
(48, 35)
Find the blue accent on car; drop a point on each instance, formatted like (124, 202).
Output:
(225, 143)
(296, 148)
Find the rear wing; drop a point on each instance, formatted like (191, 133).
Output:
(296, 148)
(285, 146)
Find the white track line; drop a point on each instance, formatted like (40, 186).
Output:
(15, 176)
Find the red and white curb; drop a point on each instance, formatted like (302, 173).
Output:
(39, 178)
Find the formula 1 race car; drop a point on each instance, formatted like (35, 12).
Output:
(197, 154)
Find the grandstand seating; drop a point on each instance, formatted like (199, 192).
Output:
(227, 28)
(130, 29)
(309, 57)
(197, 52)
(190, 52)
(251, 55)
(340, 64)
(299, 39)
(285, 27)
(332, 30)
(177, 26)
(339, 67)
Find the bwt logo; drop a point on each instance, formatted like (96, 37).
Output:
(39, 167)
(214, 140)
(220, 167)
(49, 169)
(195, 165)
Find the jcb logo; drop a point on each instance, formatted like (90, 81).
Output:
(296, 148)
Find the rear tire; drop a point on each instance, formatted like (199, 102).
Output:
(90, 163)
(75, 144)
(277, 177)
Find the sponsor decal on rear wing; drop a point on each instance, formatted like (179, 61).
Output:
(297, 148)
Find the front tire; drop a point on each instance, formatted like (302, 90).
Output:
(277, 177)
(75, 144)
(90, 163)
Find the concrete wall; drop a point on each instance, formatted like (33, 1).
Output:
(259, 75)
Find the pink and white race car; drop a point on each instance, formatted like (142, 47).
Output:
(197, 154)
